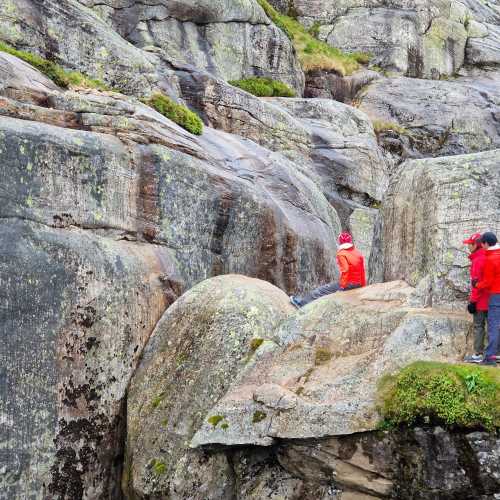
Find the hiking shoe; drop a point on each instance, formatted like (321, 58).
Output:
(295, 302)
(473, 358)
(489, 361)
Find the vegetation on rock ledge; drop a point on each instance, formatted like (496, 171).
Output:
(439, 393)
(314, 54)
(263, 87)
(53, 71)
(178, 113)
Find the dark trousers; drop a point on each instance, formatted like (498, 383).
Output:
(321, 291)
(493, 326)
(479, 319)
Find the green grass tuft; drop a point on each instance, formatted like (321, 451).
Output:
(256, 343)
(314, 54)
(322, 356)
(61, 77)
(258, 416)
(380, 126)
(157, 400)
(439, 393)
(263, 87)
(178, 113)
(214, 420)
(159, 467)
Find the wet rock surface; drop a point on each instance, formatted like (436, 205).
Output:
(456, 195)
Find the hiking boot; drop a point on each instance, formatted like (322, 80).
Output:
(295, 302)
(473, 358)
(489, 361)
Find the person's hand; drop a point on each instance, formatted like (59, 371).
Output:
(471, 307)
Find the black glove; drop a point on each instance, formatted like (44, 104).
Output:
(471, 307)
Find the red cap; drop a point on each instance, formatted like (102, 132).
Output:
(473, 239)
(347, 238)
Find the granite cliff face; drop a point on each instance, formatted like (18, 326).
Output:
(110, 211)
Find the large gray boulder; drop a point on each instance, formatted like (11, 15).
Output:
(431, 207)
(192, 359)
(440, 117)
(78, 308)
(109, 210)
(133, 46)
(317, 375)
(427, 39)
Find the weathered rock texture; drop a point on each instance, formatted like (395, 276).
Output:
(319, 375)
(133, 46)
(236, 342)
(419, 39)
(109, 210)
(430, 208)
(192, 359)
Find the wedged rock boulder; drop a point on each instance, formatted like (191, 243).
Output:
(77, 310)
(318, 375)
(440, 117)
(198, 348)
(430, 208)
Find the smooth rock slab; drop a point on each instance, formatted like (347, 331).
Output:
(319, 376)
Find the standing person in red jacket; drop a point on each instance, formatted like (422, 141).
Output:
(491, 283)
(478, 299)
(352, 273)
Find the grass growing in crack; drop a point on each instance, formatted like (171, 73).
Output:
(263, 87)
(314, 54)
(440, 393)
(178, 113)
(380, 126)
(61, 77)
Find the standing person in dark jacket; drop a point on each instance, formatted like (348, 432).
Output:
(478, 299)
(491, 283)
(352, 273)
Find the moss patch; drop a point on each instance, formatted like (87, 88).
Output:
(440, 393)
(157, 400)
(263, 87)
(61, 77)
(258, 416)
(255, 344)
(215, 419)
(322, 356)
(178, 113)
(314, 54)
(159, 467)
(380, 126)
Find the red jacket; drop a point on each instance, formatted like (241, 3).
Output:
(478, 295)
(351, 265)
(491, 273)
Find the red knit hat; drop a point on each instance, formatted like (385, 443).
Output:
(345, 238)
(475, 238)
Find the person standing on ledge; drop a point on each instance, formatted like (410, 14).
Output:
(491, 283)
(352, 273)
(478, 298)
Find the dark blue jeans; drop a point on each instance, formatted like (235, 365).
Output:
(321, 291)
(493, 326)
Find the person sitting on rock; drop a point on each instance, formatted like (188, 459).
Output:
(352, 273)
(491, 283)
(478, 298)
